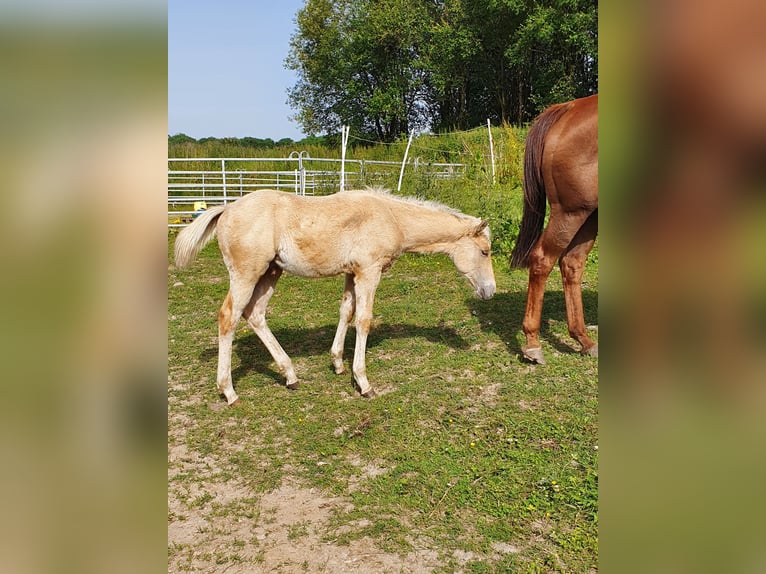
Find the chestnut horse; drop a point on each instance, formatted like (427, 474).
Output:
(357, 233)
(560, 162)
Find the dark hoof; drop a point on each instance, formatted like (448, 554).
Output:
(534, 355)
(293, 386)
(371, 394)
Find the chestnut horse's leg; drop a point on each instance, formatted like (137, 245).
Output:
(572, 265)
(255, 315)
(561, 229)
(347, 308)
(365, 284)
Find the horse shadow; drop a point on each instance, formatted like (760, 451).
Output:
(303, 342)
(504, 313)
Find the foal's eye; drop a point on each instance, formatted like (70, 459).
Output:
(484, 253)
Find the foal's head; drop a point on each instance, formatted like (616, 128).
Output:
(471, 255)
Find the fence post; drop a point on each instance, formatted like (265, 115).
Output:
(223, 174)
(491, 150)
(344, 140)
(296, 186)
(404, 161)
(303, 172)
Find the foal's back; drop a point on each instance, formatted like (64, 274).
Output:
(309, 236)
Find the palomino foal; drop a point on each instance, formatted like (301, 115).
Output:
(358, 233)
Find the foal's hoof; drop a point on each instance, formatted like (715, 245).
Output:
(293, 386)
(534, 355)
(236, 403)
(371, 394)
(592, 352)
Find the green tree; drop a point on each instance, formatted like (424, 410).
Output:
(556, 47)
(387, 66)
(359, 64)
(180, 139)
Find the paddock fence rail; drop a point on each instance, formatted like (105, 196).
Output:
(195, 184)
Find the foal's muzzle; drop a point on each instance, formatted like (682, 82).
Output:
(485, 291)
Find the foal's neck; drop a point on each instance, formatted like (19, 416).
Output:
(427, 230)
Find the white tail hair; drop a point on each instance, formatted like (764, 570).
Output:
(196, 235)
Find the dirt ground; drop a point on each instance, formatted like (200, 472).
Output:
(286, 532)
(217, 525)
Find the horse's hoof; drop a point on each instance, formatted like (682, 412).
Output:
(592, 352)
(340, 370)
(236, 403)
(534, 355)
(371, 394)
(293, 386)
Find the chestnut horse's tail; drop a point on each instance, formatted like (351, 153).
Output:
(196, 235)
(533, 216)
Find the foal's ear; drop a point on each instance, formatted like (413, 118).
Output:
(481, 227)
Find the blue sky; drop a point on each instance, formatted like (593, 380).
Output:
(226, 74)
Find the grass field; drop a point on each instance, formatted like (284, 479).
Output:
(469, 460)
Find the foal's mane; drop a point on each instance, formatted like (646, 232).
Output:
(427, 203)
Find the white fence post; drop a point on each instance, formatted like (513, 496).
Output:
(491, 150)
(223, 176)
(344, 141)
(404, 161)
(303, 171)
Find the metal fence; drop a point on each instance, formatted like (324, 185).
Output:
(197, 183)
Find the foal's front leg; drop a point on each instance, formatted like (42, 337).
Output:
(347, 305)
(365, 284)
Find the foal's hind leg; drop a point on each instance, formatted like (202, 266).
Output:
(255, 315)
(347, 308)
(556, 237)
(572, 265)
(237, 298)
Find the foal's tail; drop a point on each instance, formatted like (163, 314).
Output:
(196, 235)
(534, 186)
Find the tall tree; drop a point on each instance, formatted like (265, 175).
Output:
(358, 63)
(556, 47)
(387, 66)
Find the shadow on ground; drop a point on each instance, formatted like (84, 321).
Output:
(504, 313)
(254, 357)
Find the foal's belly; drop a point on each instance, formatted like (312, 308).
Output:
(313, 262)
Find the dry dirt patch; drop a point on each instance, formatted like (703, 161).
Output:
(222, 526)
